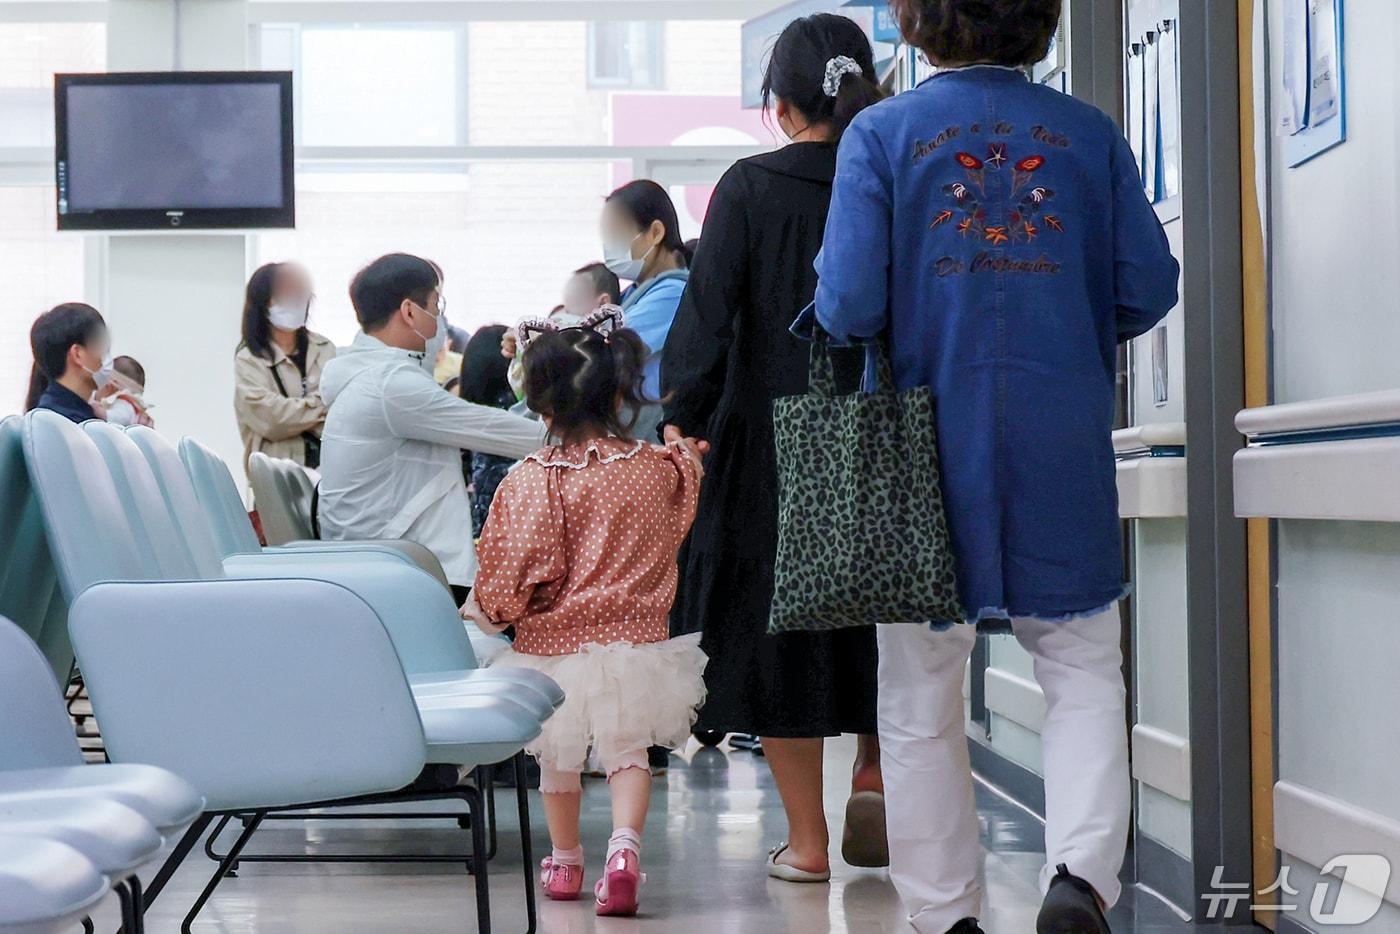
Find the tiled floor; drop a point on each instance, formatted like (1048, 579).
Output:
(713, 818)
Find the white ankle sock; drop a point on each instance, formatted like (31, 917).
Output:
(572, 857)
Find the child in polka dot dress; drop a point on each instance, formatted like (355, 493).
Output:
(579, 555)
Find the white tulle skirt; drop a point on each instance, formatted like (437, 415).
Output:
(617, 698)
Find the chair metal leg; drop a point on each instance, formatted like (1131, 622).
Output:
(490, 792)
(176, 857)
(527, 853)
(464, 822)
(485, 778)
(130, 925)
(75, 682)
(474, 801)
(219, 873)
(138, 905)
(214, 835)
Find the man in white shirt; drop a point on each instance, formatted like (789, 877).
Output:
(391, 464)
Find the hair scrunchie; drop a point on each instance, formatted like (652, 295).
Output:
(836, 69)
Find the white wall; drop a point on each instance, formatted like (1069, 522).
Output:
(1337, 648)
(1335, 271)
(173, 303)
(173, 300)
(1160, 664)
(1335, 232)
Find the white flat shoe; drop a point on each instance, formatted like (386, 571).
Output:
(791, 873)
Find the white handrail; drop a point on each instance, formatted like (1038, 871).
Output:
(1371, 408)
(1146, 437)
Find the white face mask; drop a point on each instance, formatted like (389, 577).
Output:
(288, 316)
(432, 346)
(617, 256)
(104, 374)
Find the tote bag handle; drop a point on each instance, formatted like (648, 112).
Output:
(821, 376)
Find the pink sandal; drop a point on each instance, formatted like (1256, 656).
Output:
(562, 882)
(616, 892)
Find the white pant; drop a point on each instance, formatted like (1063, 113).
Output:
(935, 854)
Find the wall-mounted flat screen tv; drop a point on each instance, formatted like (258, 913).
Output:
(174, 150)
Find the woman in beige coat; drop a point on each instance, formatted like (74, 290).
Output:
(277, 369)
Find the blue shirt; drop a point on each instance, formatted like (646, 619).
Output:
(996, 232)
(59, 398)
(649, 309)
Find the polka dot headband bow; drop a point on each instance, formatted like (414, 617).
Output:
(836, 69)
(603, 321)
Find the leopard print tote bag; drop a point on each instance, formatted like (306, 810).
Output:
(862, 534)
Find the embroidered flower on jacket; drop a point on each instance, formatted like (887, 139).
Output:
(976, 171)
(1024, 211)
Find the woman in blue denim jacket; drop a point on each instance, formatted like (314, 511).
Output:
(996, 233)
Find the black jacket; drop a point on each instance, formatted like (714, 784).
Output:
(59, 398)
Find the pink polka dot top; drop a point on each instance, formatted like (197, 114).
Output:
(581, 543)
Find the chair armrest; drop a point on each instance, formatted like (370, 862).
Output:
(420, 616)
(400, 548)
(231, 684)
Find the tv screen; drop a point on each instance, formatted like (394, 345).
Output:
(186, 150)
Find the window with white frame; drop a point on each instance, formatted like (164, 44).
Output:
(380, 85)
(471, 171)
(30, 55)
(39, 267)
(624, 55)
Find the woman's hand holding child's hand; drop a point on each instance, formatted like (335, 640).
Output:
(680, 446)
(472, 611)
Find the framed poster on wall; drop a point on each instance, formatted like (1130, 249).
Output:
(1313, 118)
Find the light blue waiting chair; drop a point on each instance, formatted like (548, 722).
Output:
(114, 838)
(430, 636)
(46, 887)
(443, 663)
(441, 666)
(216, 493)
(76, 480)
(38, 748)
(222, 682)
(29, 593)
(163, 513)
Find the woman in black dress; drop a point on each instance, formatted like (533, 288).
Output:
(728, 356)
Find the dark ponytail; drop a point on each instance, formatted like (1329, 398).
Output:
(797, 71)
(53, 334)
(575, 376)
(646, 203)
